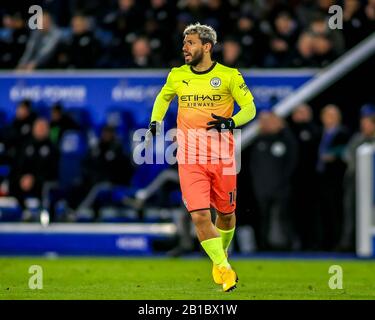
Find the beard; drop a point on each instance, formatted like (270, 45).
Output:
(196, 59)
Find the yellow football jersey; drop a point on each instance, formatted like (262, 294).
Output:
(201, 94)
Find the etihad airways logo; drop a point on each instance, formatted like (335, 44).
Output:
(200, 97)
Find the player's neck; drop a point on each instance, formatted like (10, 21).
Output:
(204, 65)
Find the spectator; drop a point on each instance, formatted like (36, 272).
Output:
(304, 53)
(41, 47)
(322, 7)
(83, 49)
(95, 8)
(14, 46)
(323, 51)
(354, 23)
(251, 39)
(232, 54)
(273, 158)
(160, 19)
(124, 22)
(282, 40)
(60, 122)
(125, 19)
(5, 159)
(305, 11)
(370, 16)
(105, 166)
(320, 29)
(331, 169)
(36, 163)
(163, 13)
(216, 14)
(106, 161)
(194, 9)
(304, 183)
(365, 135)
(20, 128)
(189, 11)
(141, 55)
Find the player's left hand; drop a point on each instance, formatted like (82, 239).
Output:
(153, 130)
(221, 123)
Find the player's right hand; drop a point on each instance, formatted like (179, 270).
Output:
(221, 123)
(153, 130)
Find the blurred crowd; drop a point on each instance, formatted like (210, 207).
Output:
(299, 171)
(301, 174)
(32, 147)
(80, 34)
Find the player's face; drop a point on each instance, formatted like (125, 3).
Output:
(192, 49)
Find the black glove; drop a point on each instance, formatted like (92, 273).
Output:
(153, 130)
(221, 123)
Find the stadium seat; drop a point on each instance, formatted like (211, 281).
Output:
(84, 216)
(81, 116)
(3, 118)
(66, 33)
(4, 170)
(123, 122)
(142, 177)
(146, 173)
(73, 149)
(115, 214)
(105, 37)
(10, 210)
(5, 34)
(42, 110)
(175, 198)
(118, 117)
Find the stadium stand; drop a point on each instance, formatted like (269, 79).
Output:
(127, 34)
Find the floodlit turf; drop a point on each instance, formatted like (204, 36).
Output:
(138, 278)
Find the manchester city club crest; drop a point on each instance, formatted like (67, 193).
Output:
(215, 82)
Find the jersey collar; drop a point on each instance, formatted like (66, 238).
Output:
(203, 72)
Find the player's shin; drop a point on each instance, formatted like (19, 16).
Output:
(226, 237)
(209, 237)
(214, 249)
(226, 225)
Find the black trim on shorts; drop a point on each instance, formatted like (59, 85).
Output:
(205, 71)
(224, 213)
(199, 210)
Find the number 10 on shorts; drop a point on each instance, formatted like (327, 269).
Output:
(232, 196)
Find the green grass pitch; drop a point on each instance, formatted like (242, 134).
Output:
(185, 278)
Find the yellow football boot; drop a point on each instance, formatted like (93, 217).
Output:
(229, 278)
(216, 274)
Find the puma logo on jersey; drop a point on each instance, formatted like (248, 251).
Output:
(186, 82)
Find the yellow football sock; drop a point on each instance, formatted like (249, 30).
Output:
(226, 236)
(214, 249)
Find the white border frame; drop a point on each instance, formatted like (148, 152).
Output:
(365, 231)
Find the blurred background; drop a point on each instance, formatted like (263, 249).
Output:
(73, 93)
